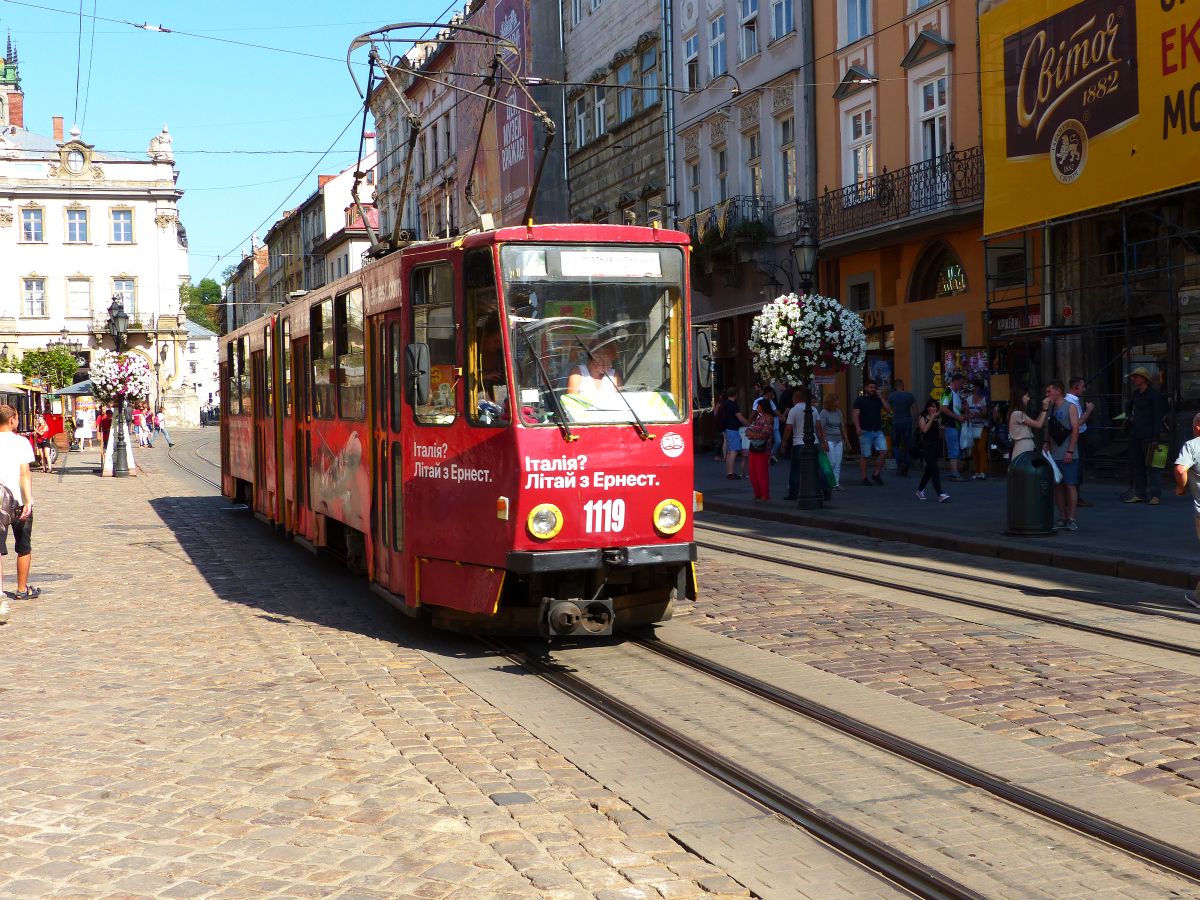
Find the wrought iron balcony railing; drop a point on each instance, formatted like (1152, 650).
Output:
(947, 183)
(728, 216)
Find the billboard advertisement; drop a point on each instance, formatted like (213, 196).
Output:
(1085, 103)
(504, 165)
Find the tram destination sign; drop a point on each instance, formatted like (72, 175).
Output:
(1086, 103)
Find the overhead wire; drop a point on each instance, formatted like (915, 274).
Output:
(78, 60)
(87, 90)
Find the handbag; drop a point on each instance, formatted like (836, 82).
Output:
(1157, 458)
(826, 470)
(1059, 433)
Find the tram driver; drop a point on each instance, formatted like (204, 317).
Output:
(595, 376)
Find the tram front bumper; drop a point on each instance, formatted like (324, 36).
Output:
(532, 562)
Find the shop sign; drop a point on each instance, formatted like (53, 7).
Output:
(1016, 321)
(1086, 103)
(872, 318)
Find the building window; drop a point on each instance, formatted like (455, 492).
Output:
(649, 78)
(858, 19)
(192, 366)
(576, 11)
(595, 4)
(754, 163)
(31, 226)
(79, 298)
(600, 124)
(694, 185)
(192, 347)
(721, 164)
(748, 32)
(860, 144)
(125, 289)
(691, 61)
(122, 226)
(935, 120)
(716, 48)
(787, 158)
(34, 294)
(77, 226)
(1007, 266)
(624, 92)
(782, 17)
(581, 113)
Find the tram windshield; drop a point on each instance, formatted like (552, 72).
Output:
(596, 332)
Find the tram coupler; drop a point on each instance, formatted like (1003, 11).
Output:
(576, 617)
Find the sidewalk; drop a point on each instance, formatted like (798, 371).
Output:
(1130, 540)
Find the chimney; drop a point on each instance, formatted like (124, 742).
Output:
(16, 109)
(58, 129)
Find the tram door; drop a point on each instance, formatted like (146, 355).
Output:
(388, 499)
(259, 374)
(303, 442)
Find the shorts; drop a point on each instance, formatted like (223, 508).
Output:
(22, 530)
(872, 442)
(733, 440)
(1070, 471)
(953, 450)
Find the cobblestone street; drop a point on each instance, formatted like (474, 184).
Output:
(196, 708)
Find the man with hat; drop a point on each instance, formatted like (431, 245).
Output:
(953, 416)
(1145, 414)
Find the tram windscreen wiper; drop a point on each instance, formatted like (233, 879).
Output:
(559, 410)
(641, 428)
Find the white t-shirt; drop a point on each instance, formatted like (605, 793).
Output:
(14, 450)
(1078, 404)
(1189, 457)
(795, 418)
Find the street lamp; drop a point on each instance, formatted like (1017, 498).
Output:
(118, 327)
(807, 458)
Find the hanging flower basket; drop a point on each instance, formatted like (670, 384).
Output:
(125, 375)
(795, 336)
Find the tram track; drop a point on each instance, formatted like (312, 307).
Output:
(171, 455)
(958, 599)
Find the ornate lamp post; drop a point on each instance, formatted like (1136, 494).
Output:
(118, 327)
(811, 492)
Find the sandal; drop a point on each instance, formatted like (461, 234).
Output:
(30, 593)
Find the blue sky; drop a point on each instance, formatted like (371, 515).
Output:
(247, 123)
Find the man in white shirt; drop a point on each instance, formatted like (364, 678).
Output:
(1078, 385)
(16, 500)
(1187, 479)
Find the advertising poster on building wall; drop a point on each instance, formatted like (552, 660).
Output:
(1086, 104)
(504, 165)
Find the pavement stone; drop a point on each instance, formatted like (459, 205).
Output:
(1045, 693)
(200, 709)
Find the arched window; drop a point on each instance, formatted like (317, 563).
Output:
(939, 273)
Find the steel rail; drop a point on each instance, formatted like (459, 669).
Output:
(978, 579)
(889, 863)
(1143, 846)
(171, 456)
(1046, 618)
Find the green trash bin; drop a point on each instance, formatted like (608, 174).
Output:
(1030, 495)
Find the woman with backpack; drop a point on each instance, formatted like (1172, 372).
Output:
(760, 434)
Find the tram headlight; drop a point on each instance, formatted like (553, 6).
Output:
(669, 517)
(545, 521)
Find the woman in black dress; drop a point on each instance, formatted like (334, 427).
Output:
(931, 446)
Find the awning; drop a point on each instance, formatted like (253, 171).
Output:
(75, 390)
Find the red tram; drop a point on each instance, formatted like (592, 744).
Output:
(494, 428)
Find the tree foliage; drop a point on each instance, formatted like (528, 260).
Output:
(54, 365)
(199, 302)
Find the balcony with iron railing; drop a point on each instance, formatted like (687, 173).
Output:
(744, 214)
(950, 184)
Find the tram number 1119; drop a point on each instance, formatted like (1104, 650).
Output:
(604, 516)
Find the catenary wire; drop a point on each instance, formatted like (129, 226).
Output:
(87, 89)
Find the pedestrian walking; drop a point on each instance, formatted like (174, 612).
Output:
(1145, 414)
(1062, 441)
(730, 420)
(160, 427)
(929, 426)
(1187, 480)
(85, 429)
(104, 427)
(954, 415)
(868, 423)
(16, 505)
(904, 414)
(768, 395)
(1078, 385)
(833, 433)
(793, 432)
(976, 431)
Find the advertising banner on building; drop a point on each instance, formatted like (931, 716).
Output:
(1086, 103)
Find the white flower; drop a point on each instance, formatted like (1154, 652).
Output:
(793, 335)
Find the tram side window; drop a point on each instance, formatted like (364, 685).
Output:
(323, 369)
(434, 325)
(232, 395)
(244, 393)
(268, 374)
(286, 367)
(487, 380)
(397, 391)
(351, 362)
